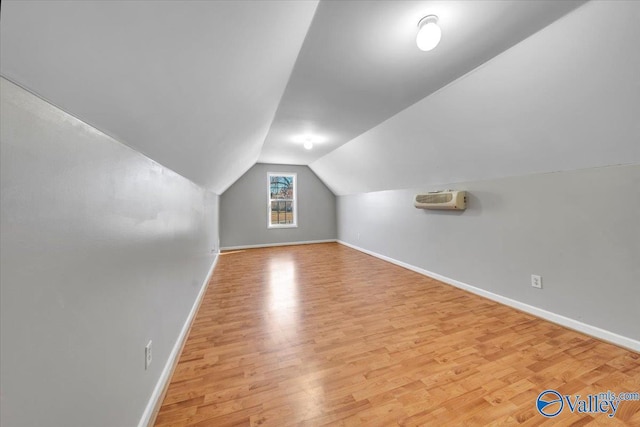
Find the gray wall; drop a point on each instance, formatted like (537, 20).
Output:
(101, 251)
(579, 230)
(546, 105)
(243, 209)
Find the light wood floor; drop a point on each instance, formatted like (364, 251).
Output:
(323, 334)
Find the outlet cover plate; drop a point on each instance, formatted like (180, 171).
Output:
(536, 281)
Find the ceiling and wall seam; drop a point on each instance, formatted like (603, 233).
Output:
(107, 134)
(193, 85)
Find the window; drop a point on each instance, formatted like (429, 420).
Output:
(282, 210)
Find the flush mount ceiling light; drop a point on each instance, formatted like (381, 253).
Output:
(429, 33)
(307, 140)
(308, 143)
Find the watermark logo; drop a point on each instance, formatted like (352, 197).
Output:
(551, 403)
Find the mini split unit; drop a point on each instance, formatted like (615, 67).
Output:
(445, 200)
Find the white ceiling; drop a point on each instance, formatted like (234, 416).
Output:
(207, 88)
(360, 65)
(566, 98)
(194, 85)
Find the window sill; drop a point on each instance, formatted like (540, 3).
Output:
(276, 226)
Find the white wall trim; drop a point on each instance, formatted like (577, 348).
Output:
(567, 322)
(269, 245)
(149, 412)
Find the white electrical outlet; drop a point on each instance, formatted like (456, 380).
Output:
(147, 356)
(536, 281)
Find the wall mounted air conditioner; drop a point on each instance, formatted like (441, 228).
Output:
(450, 199)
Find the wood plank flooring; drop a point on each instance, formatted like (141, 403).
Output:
(325, 335)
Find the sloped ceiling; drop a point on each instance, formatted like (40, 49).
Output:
(207, 88)
(359, 64)
(192, 84)
(566, 98)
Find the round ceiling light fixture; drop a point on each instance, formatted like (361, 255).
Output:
(429, 33)
(308, 140)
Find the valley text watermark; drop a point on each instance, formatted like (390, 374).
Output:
(551, 403)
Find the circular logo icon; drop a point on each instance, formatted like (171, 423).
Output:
(549, 403)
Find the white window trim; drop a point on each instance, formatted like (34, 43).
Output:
(295, 200)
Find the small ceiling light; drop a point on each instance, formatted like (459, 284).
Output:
(429, 33)
(308, 144)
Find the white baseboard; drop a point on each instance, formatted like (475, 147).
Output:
(269, 245)
(148, 415)
(593, 331)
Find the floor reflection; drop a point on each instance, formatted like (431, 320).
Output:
(283, 287)
(282, 303)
